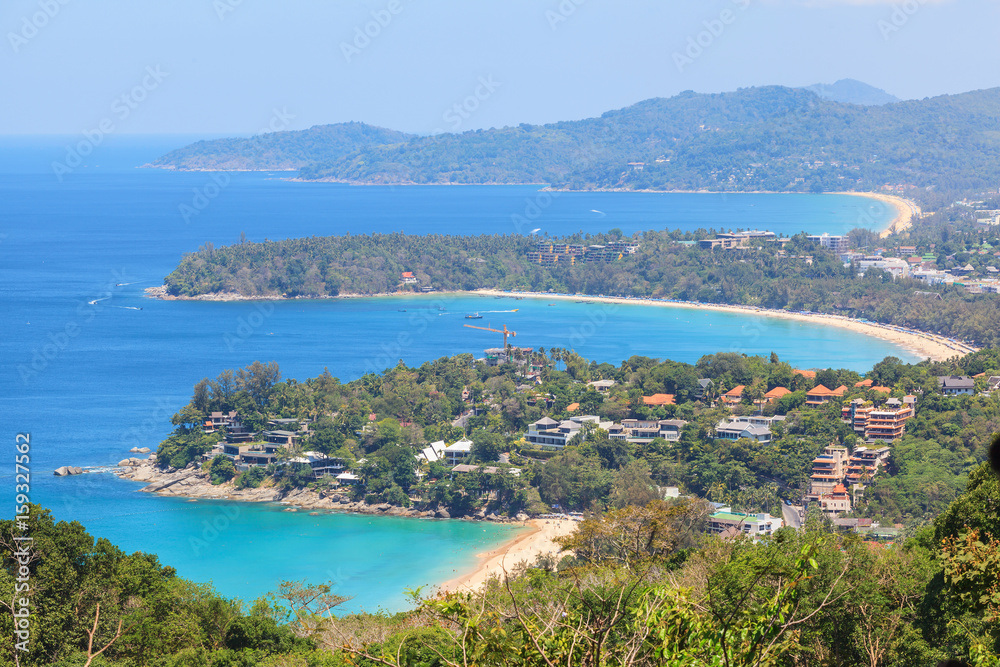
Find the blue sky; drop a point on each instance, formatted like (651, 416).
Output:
(239, 66)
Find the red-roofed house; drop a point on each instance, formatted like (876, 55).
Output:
(734, 395)
(572, 407)
(884, 390)
(776, 393)
(819, 395)
(409, 278)
(840, 391)
(806, 374)
(658, 399)
(836, 502)
(864, 383)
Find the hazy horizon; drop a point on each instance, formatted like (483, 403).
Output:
(231, 67)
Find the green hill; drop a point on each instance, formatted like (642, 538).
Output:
(278, 151)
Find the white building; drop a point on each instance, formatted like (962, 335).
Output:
(899, 268)
(457, 452)
(548, 432)
(753, 525)
(836, 244)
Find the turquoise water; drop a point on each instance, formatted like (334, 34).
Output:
(90, 375)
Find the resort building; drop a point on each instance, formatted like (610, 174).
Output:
(547, 432)
(409, 278)
(433, 452)
(957, 385)
(734, 396)
(752, 525)
(829, 469)
(741, 427)
(641, 431)
(885, 423)
(864, 465)
(458, 452)
(776, 393)
(659, 399)
(819, 394)
(836, 244)
(837, 502)
(602, 385)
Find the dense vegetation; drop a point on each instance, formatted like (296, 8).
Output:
(386, 419)
(273, 151)
(768, 138)
(642, 586)
(662, 268)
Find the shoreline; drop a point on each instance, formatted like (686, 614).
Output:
(925, 345)
(922, 344)
(524, 548)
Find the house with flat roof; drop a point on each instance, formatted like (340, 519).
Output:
(828, 471)
(458, 452)
(601, 385)
(547, 432)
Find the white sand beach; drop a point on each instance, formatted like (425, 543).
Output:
(523, 548)
(925, 345)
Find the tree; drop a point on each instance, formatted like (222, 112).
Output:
(258, 381)
(487, 446)
(633, 485)
(221, 469)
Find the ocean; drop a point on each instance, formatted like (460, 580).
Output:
(92, 368)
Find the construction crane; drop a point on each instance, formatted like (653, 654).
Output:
(504, 331)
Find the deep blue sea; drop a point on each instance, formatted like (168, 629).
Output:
(91, 368)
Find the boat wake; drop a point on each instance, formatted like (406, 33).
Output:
(94, 302)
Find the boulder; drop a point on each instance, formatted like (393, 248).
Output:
(442, 514)
(124, 463)
(134, 450)
(521, 516)
(75, 470)
(143, 450)
(63, 471)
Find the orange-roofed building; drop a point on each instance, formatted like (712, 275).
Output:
(864, 383)
(884, 390)
(776, 393)
(409, 278)
(836, 502)
(819, 395)
(840, 391)
(658, 399)
(734, 395)
(806, 374)
(572, 407)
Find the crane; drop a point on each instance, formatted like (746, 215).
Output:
(504, 331)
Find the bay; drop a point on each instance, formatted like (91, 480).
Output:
(91, 368)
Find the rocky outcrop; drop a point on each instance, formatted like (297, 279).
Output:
(192, 482)
(64, 471)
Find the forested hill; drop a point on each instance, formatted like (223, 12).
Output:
(661, 267)
(284, 151)
(767, 138)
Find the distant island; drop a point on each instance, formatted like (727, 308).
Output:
(770, 138)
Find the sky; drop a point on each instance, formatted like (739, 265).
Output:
(238, 67)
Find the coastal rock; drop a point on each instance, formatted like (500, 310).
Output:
(75, 470)
(521, 516)
(143, 450)
(134, 450)
(63, 471)
(442, 514)
(124, 463)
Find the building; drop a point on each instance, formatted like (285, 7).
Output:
(433, 452)
(734, 396)
(829, 469)
(836, 244)
(409, 278)
(659, 399)
(547, 432)
(458, 452)
(642, 431)
(885, 423)
(819, 394)
(957, 385)
(736, 430)
(283, 438)
(735, 240)
(704, 384)
(752, 525)
(837, 502)
(899, 268)
(776, 393)
(601, 385)
(864, 464)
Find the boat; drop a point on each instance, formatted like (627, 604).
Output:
(474, 316)
(401, 310)
(552, 304)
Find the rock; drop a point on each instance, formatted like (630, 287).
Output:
(134, 450)
(152, 457)
(63, 471)
(442, 514)
(124, 463)
(75, 470)
(143, 450)
(521, 516)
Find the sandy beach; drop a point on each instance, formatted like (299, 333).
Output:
(925, 345)
(523, 548)
(906, 210)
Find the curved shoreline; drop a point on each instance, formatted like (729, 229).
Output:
(925, 345)
(524, 548)
(922, 344)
